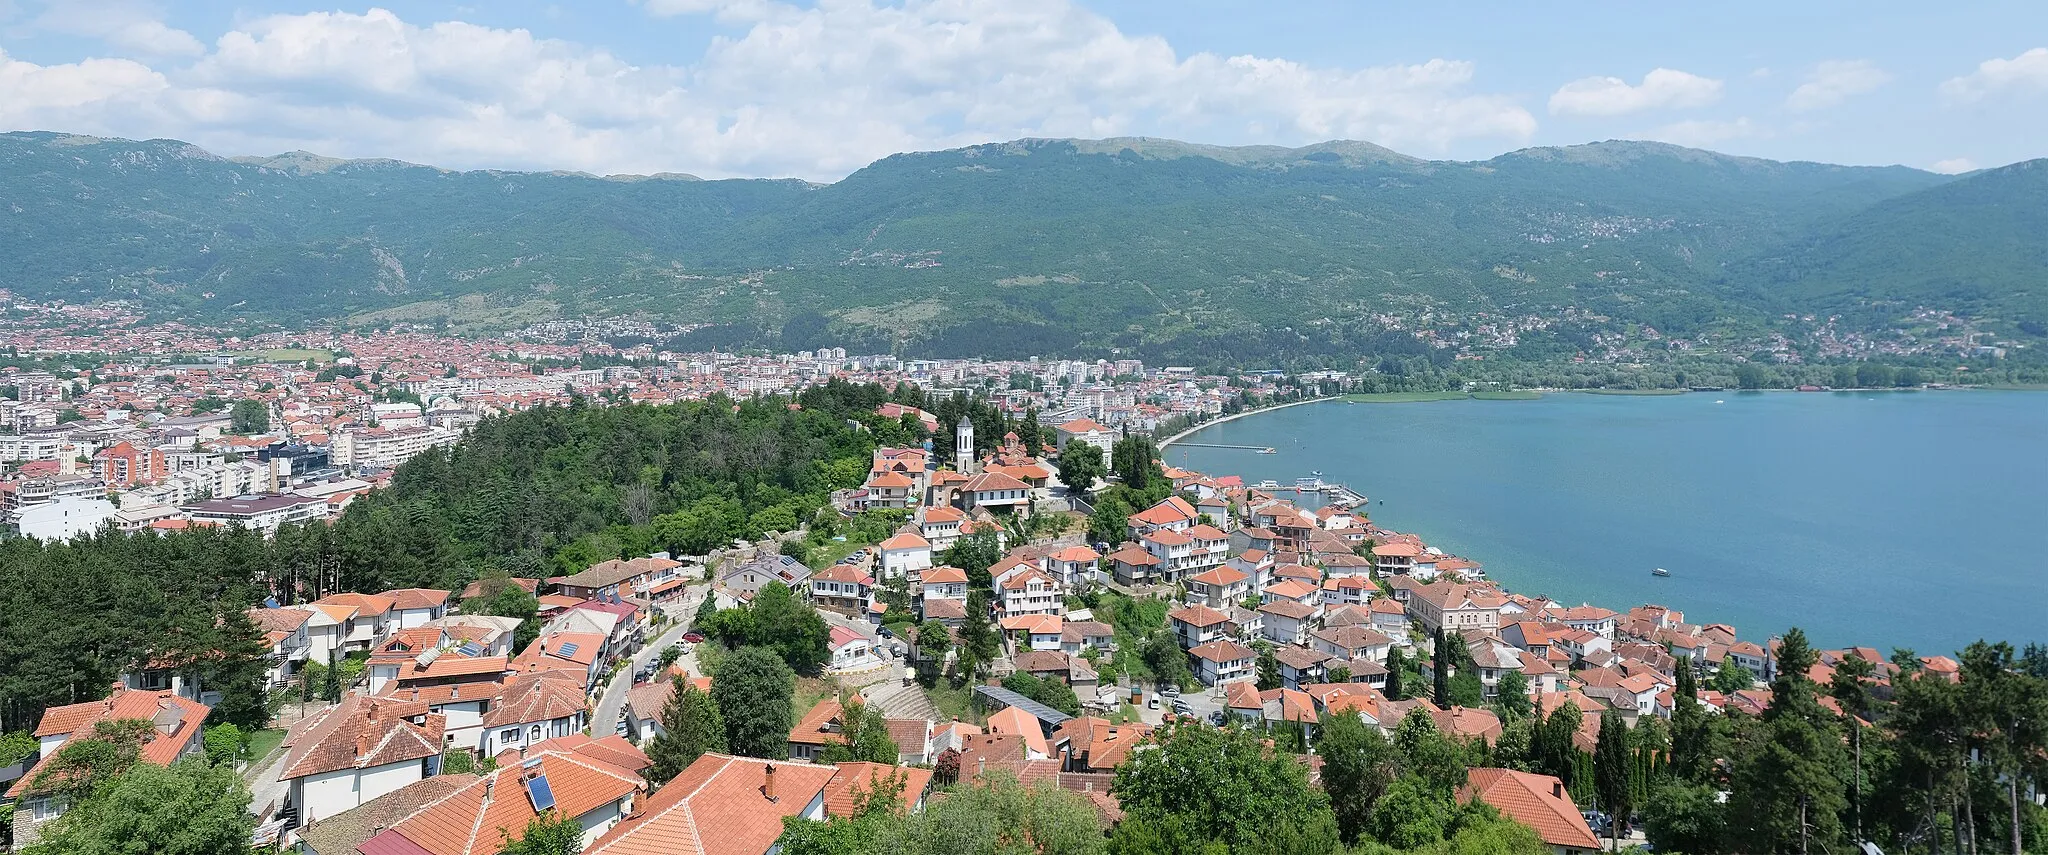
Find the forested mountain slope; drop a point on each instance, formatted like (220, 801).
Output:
(1033, 246)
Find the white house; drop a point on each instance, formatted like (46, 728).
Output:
(1084, 430)
(1030, 592)
(1073, 567)
(533, 708)
(904, 555)
(63, 519)
(414, 607)
(852, 652)
(1286, 621)
(354, 751)
(1224, 661)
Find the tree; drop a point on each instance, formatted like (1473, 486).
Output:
(979, 642)
(1788, 791)
(1135, 460)
(1732, 678)
(189, 808)
(1692, 733)
(1467, 690)
(1396, 666)
(933, 642)
(865, 735)
(223, 744)
(1339, 674)
(1512, 696)
(1224, 785)
(1555, 753)
(1358, 766)
(550, 833)
(249, 417)
(1440, 668)
(1611, 771)
(1410, 815)
(753, 688)
(974, 553)
(997, 816)
(1053, 693)
(1081, 466)
(792, 629)
(499, 596)
(691, 726)
(1685, 817)
(1269, 668)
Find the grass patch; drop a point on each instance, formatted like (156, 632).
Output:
(811, 690)
(1404, 397)
(833, 550)
(261, 744)
(1507, 395)
(953, 701)
(1636, 392)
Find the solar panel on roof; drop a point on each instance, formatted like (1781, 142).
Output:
(538, 791)
(470, 648)
(566, 649)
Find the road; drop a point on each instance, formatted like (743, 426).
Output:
(606, 718)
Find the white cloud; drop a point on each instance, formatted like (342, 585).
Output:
(125, 26)
(1705, 133)
(1954, 165)
(814, 92)
(2026, 71)
(1613, 96)
(1835, 81)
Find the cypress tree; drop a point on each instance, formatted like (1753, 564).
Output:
(1396, 665)
(1611, 771)
(1440, 664)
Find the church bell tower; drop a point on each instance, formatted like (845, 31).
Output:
(963, 446)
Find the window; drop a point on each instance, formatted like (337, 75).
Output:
(155, 681)
(46, 808)
(510, 734)
(534, 733)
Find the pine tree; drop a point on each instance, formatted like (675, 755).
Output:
(1439, 662)
(1692, 732)
(691, 726)
(1611, 771)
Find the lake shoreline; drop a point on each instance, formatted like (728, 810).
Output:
(1581, 496)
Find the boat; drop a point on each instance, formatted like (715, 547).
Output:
(1660, 572)
(1269, 451)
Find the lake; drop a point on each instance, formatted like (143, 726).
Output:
(1916, 519)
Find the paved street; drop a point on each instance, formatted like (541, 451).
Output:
(606, 718)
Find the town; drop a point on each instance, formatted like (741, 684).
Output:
(1000, 624)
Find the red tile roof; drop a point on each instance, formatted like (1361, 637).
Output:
(720, 805)
(1537, 801)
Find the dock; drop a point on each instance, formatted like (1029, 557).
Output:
(1258, 448)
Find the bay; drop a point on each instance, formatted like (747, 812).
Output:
(1914, 519)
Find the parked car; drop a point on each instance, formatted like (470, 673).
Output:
(1169, 690)
(1152, 702)
(621, 729)
(694, 637)
(1181, 707)
(885, 633)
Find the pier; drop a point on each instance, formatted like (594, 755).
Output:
(1262, 449)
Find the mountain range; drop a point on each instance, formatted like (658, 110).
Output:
(1179, 251)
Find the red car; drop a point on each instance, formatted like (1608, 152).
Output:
(694, 637)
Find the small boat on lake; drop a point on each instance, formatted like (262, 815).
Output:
(1660, 572)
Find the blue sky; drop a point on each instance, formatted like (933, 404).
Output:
(817, 89)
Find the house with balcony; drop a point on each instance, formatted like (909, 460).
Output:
(842, 588)
(415, 607)
(1171, 514)
(1352, 643)
(1030, 592)
(1286, 621)
(1131, 564)
(905, 554)
(1219, 587)
(942, 583)
(1593, 619)
(284, 630)
(1224, 661)
(1198, 624)
(890, 490)
(995, 492)
(939, 525)
(1034, 631)
(1073, 566)
(371, 618)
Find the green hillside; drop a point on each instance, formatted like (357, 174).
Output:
(1179, 251)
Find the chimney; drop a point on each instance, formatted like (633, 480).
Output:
(768, 783)
(362, 743)
(490, 783)
(373, 710)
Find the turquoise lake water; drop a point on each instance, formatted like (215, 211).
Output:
(1915, 519)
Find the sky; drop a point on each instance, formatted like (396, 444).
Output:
(816, 89)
